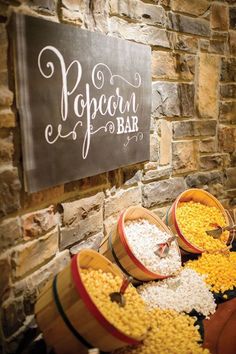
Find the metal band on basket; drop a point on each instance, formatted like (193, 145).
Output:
(64, 316)
(117, 260)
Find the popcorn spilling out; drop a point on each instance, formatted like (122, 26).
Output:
(185, 292)
(143, 239)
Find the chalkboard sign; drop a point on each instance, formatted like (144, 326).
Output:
(83, 98)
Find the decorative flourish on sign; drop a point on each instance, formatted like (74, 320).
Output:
(98, 75)
(137, 137)
(110, 126)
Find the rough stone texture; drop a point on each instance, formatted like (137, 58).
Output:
(197, 8)
(48, 7)
(187, 24)
(161, 212)
(157, 174)
(40, 222)
(81, 219)
(12, 316)
(165, 143)
(5, 270)
(7, 118)
(154, 147)
(194, 128)
(228, 91)
(227, 112)
(228, 70)
(211, 162)
(157, 193)
(9, 190)
(208, 145)
(92, 242)
(138, 10)
(185, 43)
(6, 149)
(139, 33)
(232, 18)
(230, 178)
(6, 97)
(93, 183)
(172, 99)
(219, 17)
(199, 179)
(26, 258)
(208, 85)
(43, 198)
(185, 156)
(10, 232)
(174, 66)
(227, 138)
(132, 175)
(218, 46)
(122, 199)
(232, 42)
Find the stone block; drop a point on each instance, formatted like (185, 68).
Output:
(185, 156)
(7, 118)
(228, 70)
(219, 17)
(185, 43)
(165, 143)
(40, 222)
(6, 149)
(74, 212)
(211, 162)
(232, 18)
(217, 46)
(232, 42)
(10, 232)
(28, 257)
(158, 193)
(92, 242)
(230, 178)
(74, 17)
(5, 270)
(182, 23)
(13, 316)
(172, 99)
(132, 175)
(227, 112)
(43, 198)
(139, 33)
(200, 179)
(6, 97)
(207, 91)
(139, 11)
(208, 145)
(157, 174)
(174, 66)
(154, 147)
(227, 138)
(47, 7)
(228, 91)
(196, 8)
(194, 128)
(9, 190)
(122, 199)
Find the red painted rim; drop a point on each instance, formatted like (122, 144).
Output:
(190, 245)
(92, 308)
(135, 260)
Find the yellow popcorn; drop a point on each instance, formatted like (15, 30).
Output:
(170, 333)
(194, 219)
(132, 319)
(220, 270)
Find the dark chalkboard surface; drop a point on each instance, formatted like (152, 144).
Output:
(84, 101)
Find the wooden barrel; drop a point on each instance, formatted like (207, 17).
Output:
(69, 319)
(116, 247)
(196, 195)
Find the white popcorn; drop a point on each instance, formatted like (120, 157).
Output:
(143, 239)
(183, 293)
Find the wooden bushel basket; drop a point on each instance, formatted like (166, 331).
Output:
(69, 319)
(116, 247)
(196, 195)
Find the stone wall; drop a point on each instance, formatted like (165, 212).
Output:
(193, 140)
